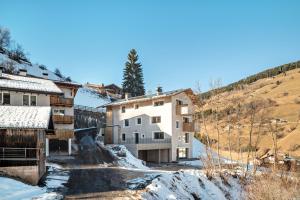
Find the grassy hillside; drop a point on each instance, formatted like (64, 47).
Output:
(272, 100)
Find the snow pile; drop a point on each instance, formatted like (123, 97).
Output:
(193, 184)
(125, 158)
(86, 96)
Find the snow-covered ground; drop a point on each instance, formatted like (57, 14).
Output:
(193, 184)
(127, 160)
(11, 189)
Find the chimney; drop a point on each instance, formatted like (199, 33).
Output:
(45, 75)
(1, 69)
(127, 95)
(159, 90)
(22, 72)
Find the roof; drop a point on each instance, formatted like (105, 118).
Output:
(147, 97)
(24, 117)
(25, 83)
(72, 84)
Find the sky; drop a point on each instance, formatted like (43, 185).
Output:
(179, 43)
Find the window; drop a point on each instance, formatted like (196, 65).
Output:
(186, 120)
(156, 120)
(58, 112)
(186, 138)
(123, 109)
(6, 99)
(158, 103)
(123, 137)
(177, 124)
(139, 121)
(182, 152)
(159, 135)
(0, 98)
(178, 102)
(126, 122)
(25, 100)
(33, 100)
(136, 106)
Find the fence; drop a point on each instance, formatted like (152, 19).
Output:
(145, 141)
(19, 154)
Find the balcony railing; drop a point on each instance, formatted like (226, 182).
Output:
(145, 141)
(63, 119)
(188, 127)
(19, 154)
(61, 101)
(182, 109)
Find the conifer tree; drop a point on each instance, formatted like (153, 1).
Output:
(133, 80)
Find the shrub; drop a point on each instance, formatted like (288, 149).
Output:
(285, 94)
(297, 100)
(278, 82)
(294, 147)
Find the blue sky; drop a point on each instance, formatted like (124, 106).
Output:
(179, 42)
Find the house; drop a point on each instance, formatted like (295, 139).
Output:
(59, 141)
(25, 117)
(111, 90)
(155, 128)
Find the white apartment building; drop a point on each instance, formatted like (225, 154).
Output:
(155, 128)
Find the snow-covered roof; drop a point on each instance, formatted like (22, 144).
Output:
(24, 83)
(86, 96)
(24, 117)
(147, 97)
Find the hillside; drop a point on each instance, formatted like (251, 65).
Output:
(273, 103)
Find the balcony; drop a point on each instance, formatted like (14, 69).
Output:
(145, 141)
(61, 101)
(63, 119)
(182, 109)
(188, 127)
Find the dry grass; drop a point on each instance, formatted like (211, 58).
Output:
(271, 186)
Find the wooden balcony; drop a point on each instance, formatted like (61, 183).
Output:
(63, 119)
(182, 109)
(188, 127)
(61, 134)
(61, 101)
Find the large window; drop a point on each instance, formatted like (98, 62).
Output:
(126, 122)
(158, 103)
(159, 135)
(6, 99)
(156, 120)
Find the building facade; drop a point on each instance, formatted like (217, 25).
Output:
(155, 128)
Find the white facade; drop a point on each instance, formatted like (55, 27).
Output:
(143, 112)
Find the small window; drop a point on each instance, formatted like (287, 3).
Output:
(126, 122)
(156, 120)
(33, 100)
(177, 124)
(139, 121)
(178, 102)
(123, 137)
(0, 98)
(158, 103)
(25, 100)
(6, 99)
(123, 109)
(136, 106)
(58, 112)
(159, 135)
(186, 138)
(186, 120)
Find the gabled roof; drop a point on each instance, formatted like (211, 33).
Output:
(24, 117)
(30, 84)
(148, 97)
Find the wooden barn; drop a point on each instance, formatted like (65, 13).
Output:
(22, 141)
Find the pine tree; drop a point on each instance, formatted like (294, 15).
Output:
(133, 80)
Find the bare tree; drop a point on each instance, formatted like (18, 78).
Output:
(4, 38)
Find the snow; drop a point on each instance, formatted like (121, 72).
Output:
(86, 96)
(193, 184)
(32, 69)
(17, 82)
(11, 189)
(35, 117)
(128, 161)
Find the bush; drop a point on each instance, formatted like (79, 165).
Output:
(294, 147)
(297, 100)
(278, 82)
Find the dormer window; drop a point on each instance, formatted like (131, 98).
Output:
(29, 100)
(159, 103)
